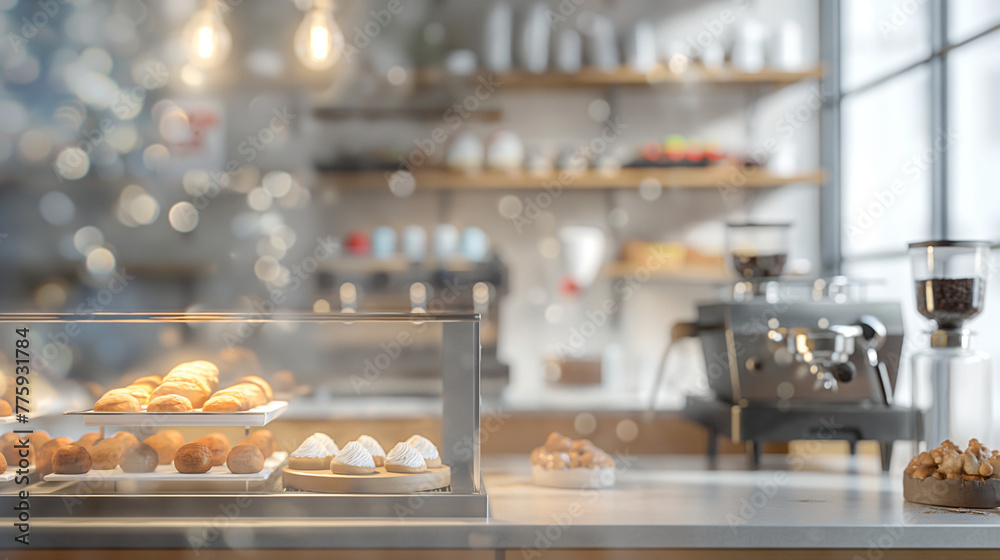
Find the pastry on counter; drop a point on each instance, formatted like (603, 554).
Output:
(88, 439)
(194, 380)
(106, 453)
(43, 459)
(193, 458)
(39, 438)
(404, 458)
(12, 453)
(140, 458)
(5, 408)
(564, 463)
(312, 455)
(166, 443)
(170, 403)
(373, 447)
(71, 459)
(426, 449)
(117, 403)
(949, 476)
(245, 459)
(3, 464)
(353, 459)
(219, 445)
(249, 392)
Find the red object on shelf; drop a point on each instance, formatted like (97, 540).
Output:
(569, 288)
(358, 243)
(652, 151)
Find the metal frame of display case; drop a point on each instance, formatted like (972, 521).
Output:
(466, 497)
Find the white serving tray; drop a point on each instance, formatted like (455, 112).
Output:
(11, 473)
(259, 416)
(8, 419)
(167, 475)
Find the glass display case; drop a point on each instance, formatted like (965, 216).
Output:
(235, 406)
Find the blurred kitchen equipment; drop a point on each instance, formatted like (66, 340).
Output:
(497, 38)
(786, 47)
(475, 244)
(445, 241)
(460, 62)
(582, 252)
(535, 39)
(465, 153)
(952, 384)
(602, 45)
(713, 56)
(384, 243)
(569, 51)
(505, 151)
(812, 359)
(640, 47)
(414, 243)
(749, 47)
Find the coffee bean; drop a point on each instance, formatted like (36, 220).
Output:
(949, 301)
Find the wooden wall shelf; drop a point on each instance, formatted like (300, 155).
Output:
(714, 177)
(686, 275)
(625, 76)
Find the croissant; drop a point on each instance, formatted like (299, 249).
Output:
(192, 380)
(239, 397)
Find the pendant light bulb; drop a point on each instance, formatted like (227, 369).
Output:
(319, 41)
(206, 38)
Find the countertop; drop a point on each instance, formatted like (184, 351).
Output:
(827, 502)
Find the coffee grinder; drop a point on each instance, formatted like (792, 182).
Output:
(952, 383)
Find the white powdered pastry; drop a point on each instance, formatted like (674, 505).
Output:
(424, 446)
(331, 447)
(312, 447)
(405, 455)
(356, 455)
(371, 445)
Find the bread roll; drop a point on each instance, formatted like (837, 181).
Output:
(71, 459)
(7, 438)
(138, 392)
(169, 403)
(43, 459)
(139, 459)
(247, 394)
(128, 440)
(193, 458)
(264, 385)
(263, 440)
(5, 408)
(245, 459)
(12, 453)
(224, 403)
(3, 464)
(219, 445)
(117, 403)
(106, 453)
(152, 381)
(194, 380)
(39, 438)
(88, 439)
(165, 446)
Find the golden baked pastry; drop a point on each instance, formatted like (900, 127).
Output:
(224, 403)
(7, 437)
(174, 435)
(117, 403)
(43, 459)
(247, 394)
(264, 385)
(106, 453)
(12, 453)
(194, 380)
(193, 458)
(3, 464)
(39, 438)
(245, 459)
(169, 403)
(560, 453)
(139, 392)
(71, 459)
(153, 381)
(164, 445)
(139, 459)
(88, 439)
(5, 408)
(128, 440)
(219, 445)
(263, 440)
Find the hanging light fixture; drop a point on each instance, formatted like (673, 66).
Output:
(206, 38)
(319, 42)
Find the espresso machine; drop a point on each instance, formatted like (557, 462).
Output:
(790, 359)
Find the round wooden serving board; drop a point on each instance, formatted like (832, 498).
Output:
(381, 482)
(953, 493)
